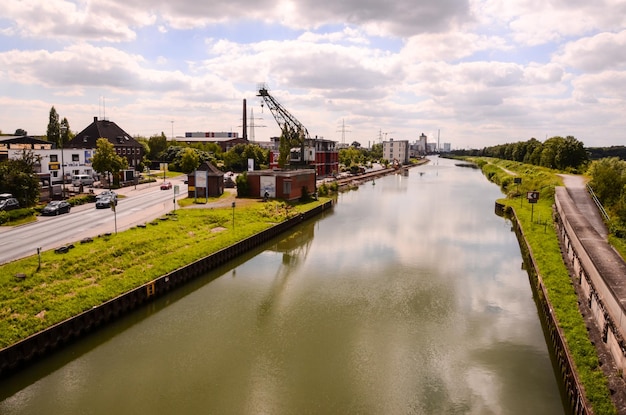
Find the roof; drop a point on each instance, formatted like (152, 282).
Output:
(211, 169)
(22, 139)
(282, 173)
(102, 129)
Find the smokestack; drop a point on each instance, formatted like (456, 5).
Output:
(245, 121)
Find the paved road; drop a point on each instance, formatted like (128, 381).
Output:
(576, 187)
(141, 204)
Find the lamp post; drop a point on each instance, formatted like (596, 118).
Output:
(62, 130)
(233, 205)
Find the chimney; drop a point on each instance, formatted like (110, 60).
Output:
(95, 119)
(245, 121)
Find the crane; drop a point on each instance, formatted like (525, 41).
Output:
(293, 131)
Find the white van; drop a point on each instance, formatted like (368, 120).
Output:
(84, 179)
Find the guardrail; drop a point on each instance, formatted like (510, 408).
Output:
(598, 204)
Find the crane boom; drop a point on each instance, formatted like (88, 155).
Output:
(286, 121)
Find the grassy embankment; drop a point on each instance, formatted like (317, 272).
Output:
(542, 237)
(91, 273)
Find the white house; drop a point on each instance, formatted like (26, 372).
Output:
(396, 151)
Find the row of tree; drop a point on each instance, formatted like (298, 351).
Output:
(559, 153)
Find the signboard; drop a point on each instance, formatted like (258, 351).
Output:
(176, 189)
(268, 184)
(250, 164)
(201, 178)
(532, 197)
(517, 180)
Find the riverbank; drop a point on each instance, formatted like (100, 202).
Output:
(540, 235)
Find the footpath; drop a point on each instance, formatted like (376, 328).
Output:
(604, 256)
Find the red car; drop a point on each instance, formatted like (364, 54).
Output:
(166, 185)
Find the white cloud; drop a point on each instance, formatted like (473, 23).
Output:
(485, 70)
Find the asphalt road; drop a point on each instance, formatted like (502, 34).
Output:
(138, 205)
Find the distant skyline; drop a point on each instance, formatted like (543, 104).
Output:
(483, 72)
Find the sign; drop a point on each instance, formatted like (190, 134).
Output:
(532, 197)
(517, 180)
(250, 164)
(176, 189)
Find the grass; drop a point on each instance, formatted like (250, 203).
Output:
(535, 220)
(92, 273)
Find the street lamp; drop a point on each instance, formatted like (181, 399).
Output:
(62, 131)
(233, 205)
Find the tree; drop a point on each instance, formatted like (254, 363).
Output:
(18, 177)
(608, 177)
(284, 149)
(189, 161)
(66, 133)
(158, 144)
(53, 133)
(20, 132)
(106, 160)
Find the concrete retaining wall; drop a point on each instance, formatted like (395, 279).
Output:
(40, 344)
(600, 272)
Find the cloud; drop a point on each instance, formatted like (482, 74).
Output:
(604, 51)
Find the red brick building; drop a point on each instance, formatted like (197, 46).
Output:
(282, 184)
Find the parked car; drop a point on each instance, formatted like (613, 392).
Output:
(56, 207)
(9, 204)
(105, 202)
(166, 185)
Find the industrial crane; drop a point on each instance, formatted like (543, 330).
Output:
(292, 130)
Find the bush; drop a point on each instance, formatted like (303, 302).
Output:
(13, 215)
(243, 188)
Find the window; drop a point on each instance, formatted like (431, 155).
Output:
(55, 173)
(75, 157)
(54, 158)
(287, 188)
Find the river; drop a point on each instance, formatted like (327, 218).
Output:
(408, 297)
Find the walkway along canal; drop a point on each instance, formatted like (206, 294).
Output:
(407, 297)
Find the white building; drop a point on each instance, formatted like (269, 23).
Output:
(71, 161)
(396, 151)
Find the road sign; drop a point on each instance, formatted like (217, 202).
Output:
(532, 197)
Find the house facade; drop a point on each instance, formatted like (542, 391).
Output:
(282, 184)
(396, 151)
(125, 146)
(319, 154)
(206, 181)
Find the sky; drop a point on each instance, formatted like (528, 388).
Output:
(472, 73)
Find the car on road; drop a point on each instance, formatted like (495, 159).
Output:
(56, 207)
(9, 204)
(105, 202)
(166, 185)
(107, 193)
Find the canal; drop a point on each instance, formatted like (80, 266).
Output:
(408, 297)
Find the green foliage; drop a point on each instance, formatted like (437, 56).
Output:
(243, 188)
(157, 144)
(559, 153)
(15, 215)
(53, 132)
(17, 176)
(284, 149)
(190, 160)
(107, 160)
(173, 155)
(236, 159)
